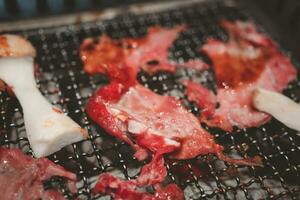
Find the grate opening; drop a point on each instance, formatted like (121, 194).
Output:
(63, 82)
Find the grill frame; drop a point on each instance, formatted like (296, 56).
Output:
(64, 83)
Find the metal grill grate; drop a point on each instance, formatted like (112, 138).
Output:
(64, 83)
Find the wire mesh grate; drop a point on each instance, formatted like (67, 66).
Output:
(63, 82)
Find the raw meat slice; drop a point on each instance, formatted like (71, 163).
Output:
(151, 174)
(247, 61)
(203, 97)
(22, 177)
(149, 52)
(141, 112)
(146, 115)
(126, 190)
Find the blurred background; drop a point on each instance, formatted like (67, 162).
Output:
(284, 15)
(21, 9)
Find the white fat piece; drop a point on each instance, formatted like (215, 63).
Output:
(279, 106)
(136, 127)
(48, 130)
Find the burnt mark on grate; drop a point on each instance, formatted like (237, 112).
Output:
(64, 83)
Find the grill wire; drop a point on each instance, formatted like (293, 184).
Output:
(63, 82)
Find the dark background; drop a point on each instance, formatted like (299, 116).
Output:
(284, 15)
(22, 9)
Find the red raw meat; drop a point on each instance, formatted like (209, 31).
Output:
(145, 120)
(126, 190)
(203, 97)
(149, 52)
(247, 61)
(151, 174)
(22, 177)
(158, 123)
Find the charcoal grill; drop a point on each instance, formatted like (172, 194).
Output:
(64, 83)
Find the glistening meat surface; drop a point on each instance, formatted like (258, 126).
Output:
(247, 61)
(112, 112)
(147, 121)
(142, 113)
(157, 123)
(149, 52)
(22, 177)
